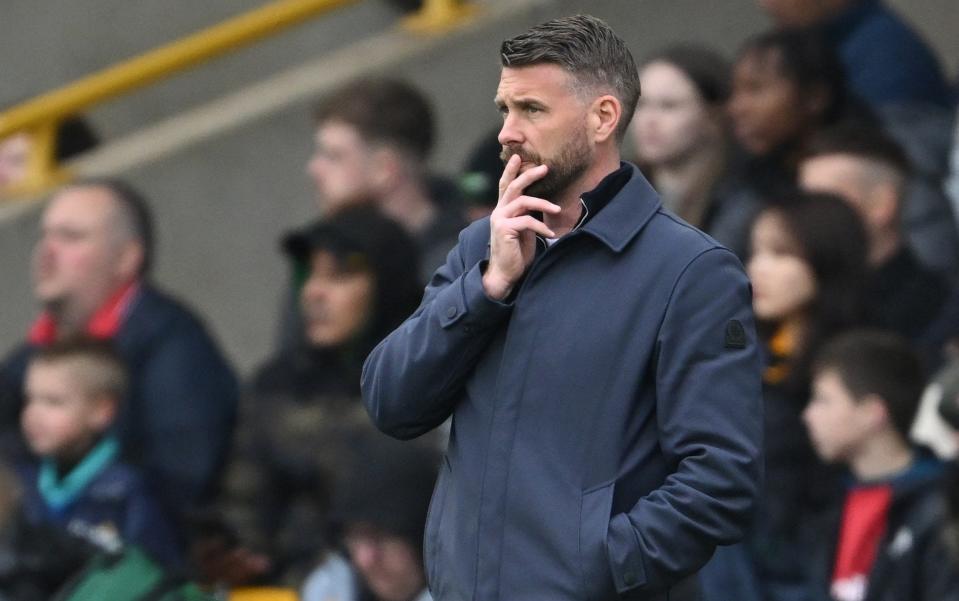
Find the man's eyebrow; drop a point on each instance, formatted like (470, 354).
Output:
(519, 102)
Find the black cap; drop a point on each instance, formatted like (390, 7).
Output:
(479, 182)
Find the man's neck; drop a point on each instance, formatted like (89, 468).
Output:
(70, 319)
(882, 456)
(410, 205)
(73, 316)
(569, 200)
(677, 178)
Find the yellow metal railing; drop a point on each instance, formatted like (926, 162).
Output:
(39, 117)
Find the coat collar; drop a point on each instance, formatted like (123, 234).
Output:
(105, 323)
(626, 213)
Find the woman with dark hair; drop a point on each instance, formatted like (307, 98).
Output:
(787, 85)
(302, 408)
(678, 128)
(681, 138)
(807, 265)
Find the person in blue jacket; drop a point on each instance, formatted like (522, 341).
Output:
(886, 61)
(597, 355)
(77, 481)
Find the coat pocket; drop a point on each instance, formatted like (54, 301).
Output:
(595, 510)
(434, 516)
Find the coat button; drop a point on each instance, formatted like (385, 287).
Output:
(629, 578)
(451, 312)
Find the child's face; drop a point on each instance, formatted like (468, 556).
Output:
(60, 418)
(837, 422)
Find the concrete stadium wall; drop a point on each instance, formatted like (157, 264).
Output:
(221, 204)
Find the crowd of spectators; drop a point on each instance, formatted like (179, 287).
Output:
(816, 154)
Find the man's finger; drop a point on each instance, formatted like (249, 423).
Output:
(509, 174)
(524, 179)
(525, 223)
(524, 204)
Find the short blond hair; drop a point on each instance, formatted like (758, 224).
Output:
(98, 368)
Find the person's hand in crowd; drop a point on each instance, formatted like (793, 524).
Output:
(220, 562)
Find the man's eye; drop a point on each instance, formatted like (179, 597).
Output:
(532, 110)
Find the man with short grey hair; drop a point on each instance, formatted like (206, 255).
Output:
(597, 355)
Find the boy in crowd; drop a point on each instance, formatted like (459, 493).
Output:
(380, 510)
(73, 391)
(887, 540)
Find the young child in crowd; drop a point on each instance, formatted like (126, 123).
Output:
(77, 482)
(888, 539)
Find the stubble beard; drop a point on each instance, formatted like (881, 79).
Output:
(570, 163)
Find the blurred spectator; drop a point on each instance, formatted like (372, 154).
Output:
(73, 392)
(870, 171)
(373, 138)
(303, 404)
(74, 136)
(948, 410)
(886, 61)
(938, 416)
(887, 538)
(381, 511)
(948, 406)
(807, 265)
(35, 560)
(787, 85)
(479, 183)
(952, 180)
(681, 138)
(91, 276)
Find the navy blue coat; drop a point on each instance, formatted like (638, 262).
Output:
(116, 509)
(178, 419)
(607, 421)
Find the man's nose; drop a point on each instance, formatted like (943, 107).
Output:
(363, 554)
(314, 166)
(43, 248)
(510, 133)
(315, 289)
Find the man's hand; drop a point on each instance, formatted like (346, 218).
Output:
(513, 230)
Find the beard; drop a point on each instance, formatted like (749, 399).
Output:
(568, 165)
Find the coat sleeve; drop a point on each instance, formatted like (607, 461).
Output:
(412, 379)
(938, 562)
(147, 526)
(187, 406)
(710, 422)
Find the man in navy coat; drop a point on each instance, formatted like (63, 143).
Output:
(597, 355)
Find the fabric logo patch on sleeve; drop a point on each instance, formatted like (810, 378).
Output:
(735, 334)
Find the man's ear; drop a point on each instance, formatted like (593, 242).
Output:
(603, 118)
(103, 412)
(884, 201)
(385, 164)
(130, 260)
(877, 412)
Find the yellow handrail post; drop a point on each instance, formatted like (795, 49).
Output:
(438, 15)
(39, 116)
(42, 163)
